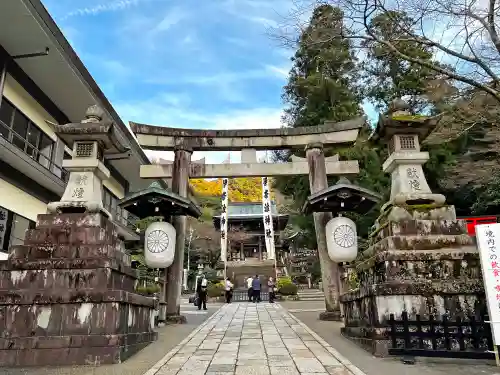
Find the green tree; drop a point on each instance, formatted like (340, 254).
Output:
(322, 82)
(322, 86)
(388, 76)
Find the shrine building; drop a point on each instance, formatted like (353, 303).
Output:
(246, 252)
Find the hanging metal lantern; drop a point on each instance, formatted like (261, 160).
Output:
(159, 245)
(342, 239)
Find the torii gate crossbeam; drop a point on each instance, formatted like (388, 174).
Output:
(168, 139)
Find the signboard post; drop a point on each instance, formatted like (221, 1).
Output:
(488, 243)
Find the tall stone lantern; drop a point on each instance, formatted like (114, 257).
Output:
(67, 294)
(420, 262)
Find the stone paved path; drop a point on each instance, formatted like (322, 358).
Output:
(253, 339)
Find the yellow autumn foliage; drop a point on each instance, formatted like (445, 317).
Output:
(245, 189)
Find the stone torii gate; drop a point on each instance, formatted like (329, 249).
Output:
(184, 141)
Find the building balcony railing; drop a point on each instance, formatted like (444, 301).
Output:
(34, 153)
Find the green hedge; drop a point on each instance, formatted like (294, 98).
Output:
(148, 289)
(216, 290)
(286, 287)
(288, 290)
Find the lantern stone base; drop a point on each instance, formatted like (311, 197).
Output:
(67, 296)
(175, 319)
(332, 316)
(421, 264)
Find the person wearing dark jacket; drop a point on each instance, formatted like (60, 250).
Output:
(201, 291)
(271, 285)
(256, 288)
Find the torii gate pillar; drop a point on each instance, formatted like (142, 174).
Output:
(329, 269)
(180, 185)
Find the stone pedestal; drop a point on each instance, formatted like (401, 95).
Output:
(67, 296)
(420, 261)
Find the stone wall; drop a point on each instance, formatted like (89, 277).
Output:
(67, 296)
(420, 260)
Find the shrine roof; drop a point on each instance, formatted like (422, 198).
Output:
(248, 208)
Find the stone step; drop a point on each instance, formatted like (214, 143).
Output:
(66, 279)
(310, 294)
(312, 299)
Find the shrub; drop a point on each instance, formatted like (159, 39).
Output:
(282, 281)
(288, 290)
(215, 290)
(149, 289)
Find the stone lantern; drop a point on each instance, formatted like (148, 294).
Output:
(403, 133)
(70, 285)
(414, 263)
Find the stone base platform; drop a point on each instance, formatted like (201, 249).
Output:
(421, 262)
(332, 316)
(370, 339)
(67, 296)
(72, 350)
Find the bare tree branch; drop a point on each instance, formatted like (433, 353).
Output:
(469, 37)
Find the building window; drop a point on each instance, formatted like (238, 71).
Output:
(13, 229)
(17, 129)
(110, 202)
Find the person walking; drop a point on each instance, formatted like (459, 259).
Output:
(250, 290)
(229, 290)
(271, 285)
(201, 290)
(256, 288)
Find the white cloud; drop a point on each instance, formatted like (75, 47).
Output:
(166, 111)
(172, 18)
(280, 71)
(266, 22)
(105, 6)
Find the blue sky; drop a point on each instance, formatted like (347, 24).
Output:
(193, 64)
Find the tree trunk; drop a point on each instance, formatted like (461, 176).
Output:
(180, 181)
(329, 270)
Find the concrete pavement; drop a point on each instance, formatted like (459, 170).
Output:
(253, 339)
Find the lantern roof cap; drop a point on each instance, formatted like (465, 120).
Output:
(342, 197)
(399, 120)
(156, 201)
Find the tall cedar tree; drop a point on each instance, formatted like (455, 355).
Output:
(322, 85)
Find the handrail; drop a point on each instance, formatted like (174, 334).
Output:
(51, 165)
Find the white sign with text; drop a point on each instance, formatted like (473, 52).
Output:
(488, 243)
